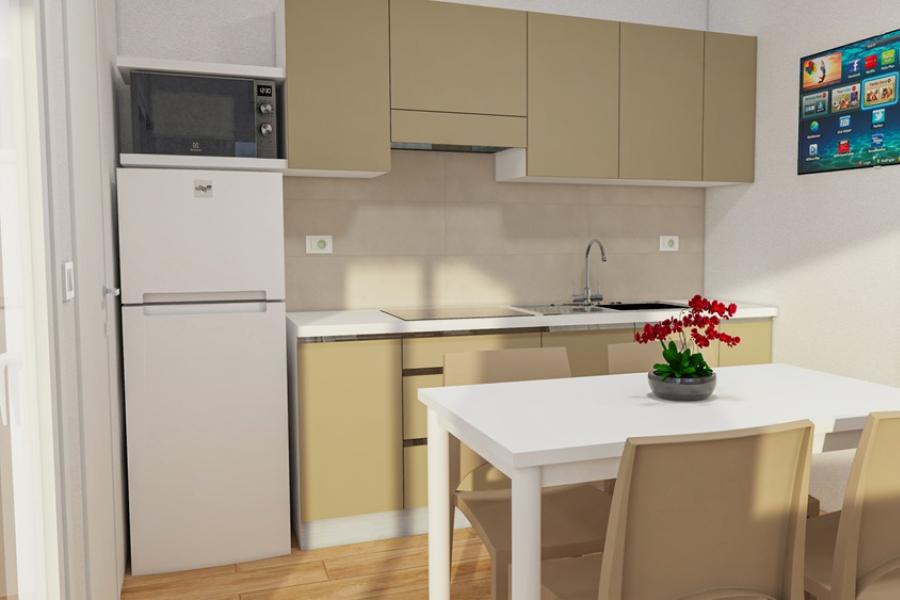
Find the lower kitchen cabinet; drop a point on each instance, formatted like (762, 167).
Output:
(362, 428)
(588, 350)
(755, 347)
(350, 428)
(415, 476)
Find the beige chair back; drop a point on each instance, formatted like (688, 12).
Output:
(631, 357)
(867, 551)
(496, 366)
(710, 516)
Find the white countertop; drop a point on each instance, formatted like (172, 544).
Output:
(340, 323)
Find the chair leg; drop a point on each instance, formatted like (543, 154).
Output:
(500, 576)
(452, 521)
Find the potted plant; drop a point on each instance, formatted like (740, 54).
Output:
(685, 374)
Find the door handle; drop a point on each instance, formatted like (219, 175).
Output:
(112, 291)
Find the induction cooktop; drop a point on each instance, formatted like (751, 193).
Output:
(455, 312)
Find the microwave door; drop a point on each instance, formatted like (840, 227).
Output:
(203, 116)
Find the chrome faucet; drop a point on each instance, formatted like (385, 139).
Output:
(586, 296)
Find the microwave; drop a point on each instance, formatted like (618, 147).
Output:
(203, 115)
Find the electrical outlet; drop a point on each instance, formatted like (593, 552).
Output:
(319, 244)
(668, 243)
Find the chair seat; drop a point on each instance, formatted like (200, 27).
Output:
(485, 477)
(579, 579)
(571, 578)
(821, 534)
(882, 584)
(828, 478)
(574, 519)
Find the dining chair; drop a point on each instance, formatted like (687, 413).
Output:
(829, 476)
(574, 518)
(700, 517)
(854, 554)
(631, 357)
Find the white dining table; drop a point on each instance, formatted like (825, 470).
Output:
(566, 431)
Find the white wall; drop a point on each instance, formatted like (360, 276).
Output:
(825, 248)
(243, 31)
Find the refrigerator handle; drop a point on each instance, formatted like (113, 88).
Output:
(205, 309)
(201, 297)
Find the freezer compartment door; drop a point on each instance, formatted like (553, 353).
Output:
(200, 236)
(207, 434)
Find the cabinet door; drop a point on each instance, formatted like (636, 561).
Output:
(449, 57)
(338, 90)
(729, 107)
(588, 350)
(661, 103)
(755, 347)
(350, 428)
(573, 99)
(415, 476)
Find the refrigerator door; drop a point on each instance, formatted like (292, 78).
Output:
(200, 236)
(206, 414)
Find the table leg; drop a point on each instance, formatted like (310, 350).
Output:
(526, 534)
(438, 509)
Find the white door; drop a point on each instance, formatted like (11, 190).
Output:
(206, 416)
(207, 235)
(90, 169)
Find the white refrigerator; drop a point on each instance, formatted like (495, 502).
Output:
(203, 333)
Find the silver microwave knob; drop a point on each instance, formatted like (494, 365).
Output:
(266, 128)
(266, 108)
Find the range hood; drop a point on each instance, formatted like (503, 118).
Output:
(446, 147)
(456, 132)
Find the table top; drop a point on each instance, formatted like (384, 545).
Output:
(536, 423)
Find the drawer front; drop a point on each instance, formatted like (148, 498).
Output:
(415, 476)
(428, 353)
(414, 425)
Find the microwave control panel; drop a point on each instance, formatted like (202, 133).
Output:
(266, 121)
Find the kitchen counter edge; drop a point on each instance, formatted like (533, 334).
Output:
(315, 325)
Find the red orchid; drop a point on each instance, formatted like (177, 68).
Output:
(696, 327)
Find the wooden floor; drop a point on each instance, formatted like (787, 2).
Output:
(395, 569)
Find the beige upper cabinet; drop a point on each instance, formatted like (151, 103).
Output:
(729, 118)
(449, 57)
(338, 86)
(573, 100)
(661, 103)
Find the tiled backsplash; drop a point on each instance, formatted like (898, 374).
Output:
(438, 230)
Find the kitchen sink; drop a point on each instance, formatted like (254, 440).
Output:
(643, 306)
(577, 308)
(564, 309)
